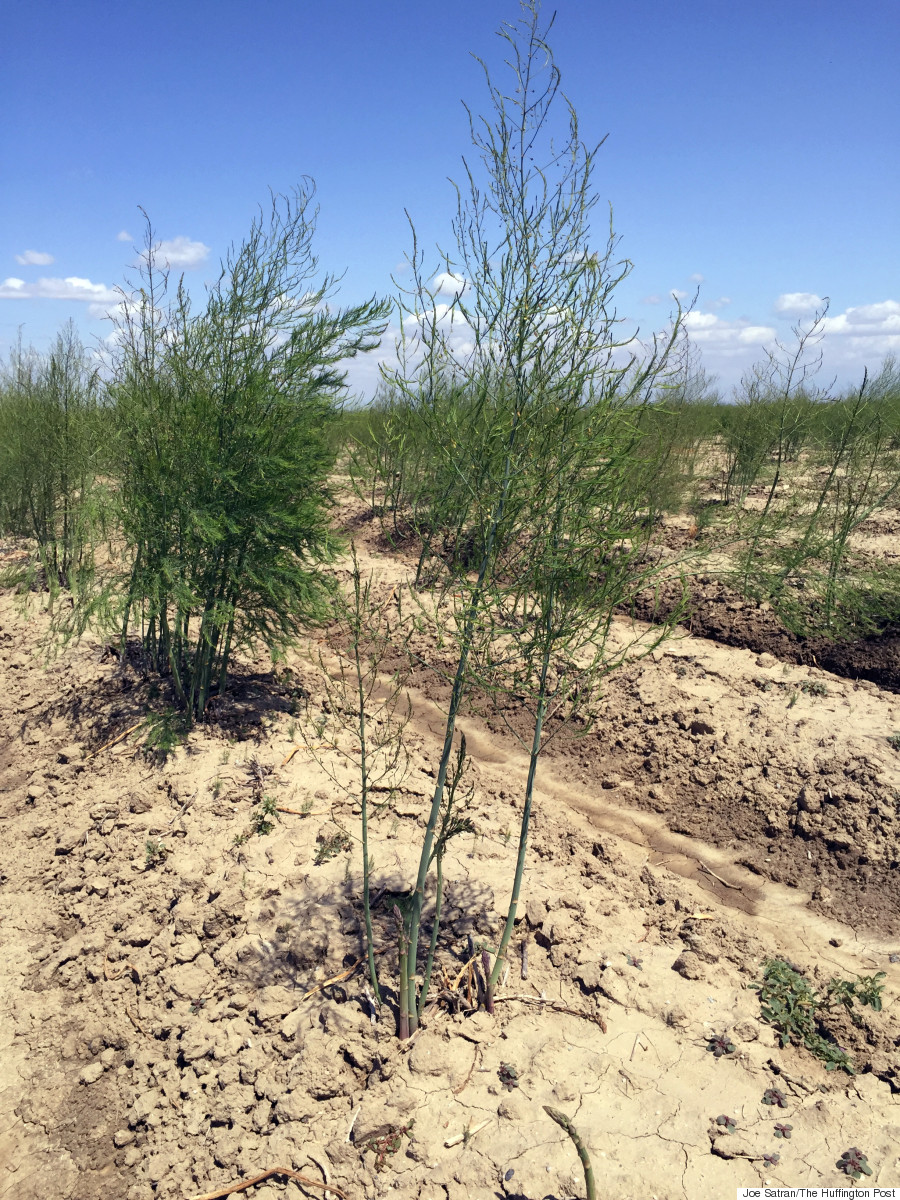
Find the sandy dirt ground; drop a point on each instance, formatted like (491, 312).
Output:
(168, 1029)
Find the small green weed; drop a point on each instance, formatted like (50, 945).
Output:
(797, 1011)
(894, 741)
(728, 1124)
(814, 687)
(854, 1163)
(387, 1144)
(719, 1044)
(155, 852)
(329, 847)
(508, 1076)
(866, 989)
(264, 817)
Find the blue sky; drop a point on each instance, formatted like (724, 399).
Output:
(752, 149)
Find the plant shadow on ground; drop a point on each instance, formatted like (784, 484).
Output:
(522, 1196)
(308, 941)
(100, 710)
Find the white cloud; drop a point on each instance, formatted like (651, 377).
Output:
(700, 320)
(652, 299)
(726, 338)
(70, 288)
(124, 236)
(860, 336)
(697, 277)
(883, 317)
(180, 253)
(34, 258)
(720, 303)
(448, 284)
(678, 294)
(798, 304)
(863, 334)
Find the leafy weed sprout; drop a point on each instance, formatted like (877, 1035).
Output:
(329, 846)
(387, 1144)
(264, 816)
(814, 687)
(854, 1163)
(798, 1012)
(719, 1045)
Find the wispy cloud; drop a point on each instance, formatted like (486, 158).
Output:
(654, 299)
(697, 277)
(34, 258)
(70, 288)
(124, 236)
(798, 304)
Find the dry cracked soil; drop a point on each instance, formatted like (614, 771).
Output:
(169, 1028)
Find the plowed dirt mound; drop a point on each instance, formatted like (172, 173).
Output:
(183, 1005)
(721, 614)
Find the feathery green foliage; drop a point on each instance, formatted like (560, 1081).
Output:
(54, 446)
(222, 421)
